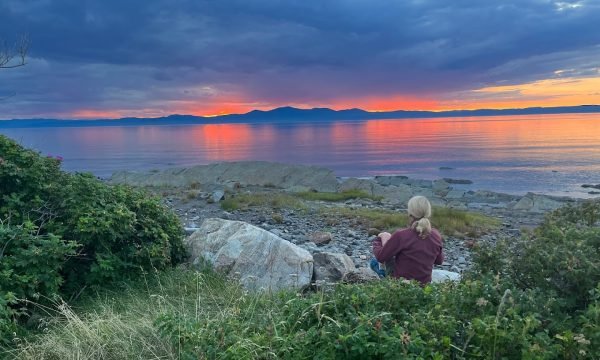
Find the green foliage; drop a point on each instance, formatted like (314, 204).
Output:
(483, 318)
(120, 230)
(269, 199)
(337, 196)
(29, 269)
(203, 315)
(117, 231)
(27, 180)
(586, 214)
(560, 257)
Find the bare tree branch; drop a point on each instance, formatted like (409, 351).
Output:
(18, 52)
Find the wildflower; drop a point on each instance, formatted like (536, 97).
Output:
(405, 338)
(582, 352)
(580, 338)
(481, 302)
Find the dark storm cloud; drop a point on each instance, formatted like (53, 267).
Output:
(139, 54)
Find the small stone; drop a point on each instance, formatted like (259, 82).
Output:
(363, 257)
(321, 238)
(373, 231)
(514, 232)
(352, 233)
(469, 244)
(218, 195)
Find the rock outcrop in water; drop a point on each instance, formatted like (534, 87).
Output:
(260, 173)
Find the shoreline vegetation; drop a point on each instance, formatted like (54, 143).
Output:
(530, 283)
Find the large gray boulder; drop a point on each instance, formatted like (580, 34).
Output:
(332, 267)
(259, 173)
(260, 259)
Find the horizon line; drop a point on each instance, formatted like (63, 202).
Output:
(307, 109)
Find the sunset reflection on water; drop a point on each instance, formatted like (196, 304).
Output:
(549, 153)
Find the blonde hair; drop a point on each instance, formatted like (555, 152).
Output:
(420, 209)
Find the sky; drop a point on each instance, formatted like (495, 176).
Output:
(150, 58)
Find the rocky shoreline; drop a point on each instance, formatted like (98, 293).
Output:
(195, 194)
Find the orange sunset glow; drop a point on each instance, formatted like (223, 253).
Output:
(547, 93)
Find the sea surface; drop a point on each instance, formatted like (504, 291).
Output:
(550, 154)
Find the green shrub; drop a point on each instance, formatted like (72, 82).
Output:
(121, 231)
(117, 231)
(560, 257)
(485, 318)
(30, 267)
(27, 181)
(586, 214)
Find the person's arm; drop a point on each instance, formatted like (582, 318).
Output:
(440, 258)
(392, 247)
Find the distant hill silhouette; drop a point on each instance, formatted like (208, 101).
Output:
(289, 114)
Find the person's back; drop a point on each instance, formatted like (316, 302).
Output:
(414, 249)
(414, 256)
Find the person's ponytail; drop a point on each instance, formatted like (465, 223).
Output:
(423, 227)
(420, 209)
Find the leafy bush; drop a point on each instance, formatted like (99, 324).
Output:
(117, 231)
(560, 257)
(120, 230)
(382, 320)
(27, 181)
(537, 297)
(29, 268)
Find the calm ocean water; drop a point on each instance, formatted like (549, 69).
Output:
(552, 154)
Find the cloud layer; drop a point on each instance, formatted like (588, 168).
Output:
(149, 58)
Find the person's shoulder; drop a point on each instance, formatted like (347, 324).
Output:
(403, 231)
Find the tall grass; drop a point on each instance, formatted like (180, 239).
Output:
(449, 221)
(337, 196)
(270, 199)
(118, 323)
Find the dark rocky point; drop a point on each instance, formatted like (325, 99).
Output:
(458, 181)
(587, 186)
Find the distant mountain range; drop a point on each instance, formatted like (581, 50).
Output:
(288, 114)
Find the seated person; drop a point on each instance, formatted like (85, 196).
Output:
(414, 249)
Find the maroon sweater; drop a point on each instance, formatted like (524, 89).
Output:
(414, 256)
